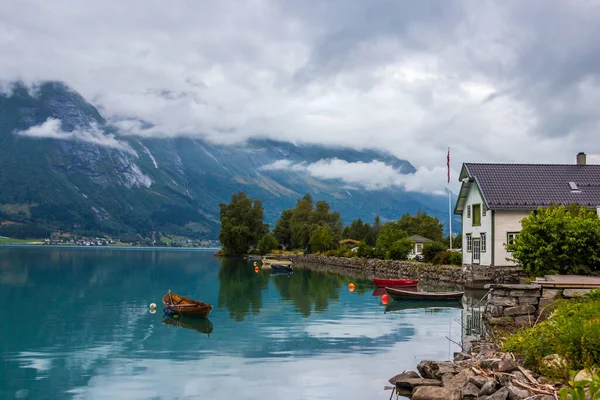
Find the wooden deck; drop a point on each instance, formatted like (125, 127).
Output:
(568, 281)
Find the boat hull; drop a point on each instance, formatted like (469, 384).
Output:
(281, 268)
(399, 294)
(177, 304)
(380, 282)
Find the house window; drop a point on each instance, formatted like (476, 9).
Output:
(468, 211)
(510, 237)
(476, 214)
(468, 242)
(419, 248)
(483, 210)
(483, 237)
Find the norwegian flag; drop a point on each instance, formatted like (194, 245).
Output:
(448, 164)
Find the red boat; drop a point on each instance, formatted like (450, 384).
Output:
(379, 282)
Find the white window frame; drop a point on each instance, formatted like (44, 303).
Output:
(469, 242)
(510, 236)
(469, 211)
(483, 237)
(419, 247)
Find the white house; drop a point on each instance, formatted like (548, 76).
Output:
(418, 241)
(494, 198)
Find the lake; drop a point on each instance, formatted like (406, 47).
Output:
(76, 325)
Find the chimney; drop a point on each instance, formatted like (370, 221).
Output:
(581, 158)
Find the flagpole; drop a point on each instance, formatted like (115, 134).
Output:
(449, 200)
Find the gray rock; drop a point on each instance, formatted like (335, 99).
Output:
(457, 381)
(490, 363)
(411, 383)
(506, 365)
(470, 391)
(511, 286)
(542, 397)
(568, 293)
(462, 356)
(494, 311)
(404, 375)
(583, 375)
(551, 293)
(504, 301)
(527, 292)
(435, 393)
(528, 300)
(516, 392)
(478, 380)
(436, 369)
(488, 388)
(519, 310)
(501, 394)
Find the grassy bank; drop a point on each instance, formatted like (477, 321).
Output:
(7, 240)
(571, 331)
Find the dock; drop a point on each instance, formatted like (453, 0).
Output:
(568, 281)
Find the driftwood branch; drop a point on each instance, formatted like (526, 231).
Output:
(461, 346)
(532, 389)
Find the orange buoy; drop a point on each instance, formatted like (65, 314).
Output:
(351, 287)
(255, 269)
(385, 299)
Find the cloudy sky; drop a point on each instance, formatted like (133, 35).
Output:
(513, 81)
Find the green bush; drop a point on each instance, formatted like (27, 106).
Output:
(572, 331)
(577, 390)
(431, 249)
(267, 244)
(399, 249)
(365, 251)
(455, 258)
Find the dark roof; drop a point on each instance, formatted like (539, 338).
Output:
(529, 186)
(419, 239)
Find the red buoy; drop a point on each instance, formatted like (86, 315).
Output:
(384, 299)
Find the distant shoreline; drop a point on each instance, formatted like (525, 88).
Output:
(71, 246)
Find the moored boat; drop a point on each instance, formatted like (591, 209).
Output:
(399, 294)
(268, 260)
(415, 304)
(177, 304)
(381, 282)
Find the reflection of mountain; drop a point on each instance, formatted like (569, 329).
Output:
(307, 287)
(202, 325)
(240, 288)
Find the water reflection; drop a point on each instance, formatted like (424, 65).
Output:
(80, 328)
(240, 288)
(201, 325)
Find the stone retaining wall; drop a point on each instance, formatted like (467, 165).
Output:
(370, 268)
(521, 305)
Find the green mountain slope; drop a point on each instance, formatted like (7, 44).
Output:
(59, 176)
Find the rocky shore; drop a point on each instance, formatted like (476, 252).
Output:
(485, 373)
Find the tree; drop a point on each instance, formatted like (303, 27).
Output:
(357, 230)
(422, 224)
(282, 230)
(241, 224)
(267, 244)
(389, 233)
(322, 239)
(558, 240)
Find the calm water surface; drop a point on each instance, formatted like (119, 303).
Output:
(76, 325)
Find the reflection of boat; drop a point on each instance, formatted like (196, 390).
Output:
(380, 291)
(282, 268)
(415, 304)
(177, 304)
(399, 294)
(278, 272)
(381, 282)
(269, 260)
(201, 325)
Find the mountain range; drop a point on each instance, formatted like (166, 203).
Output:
(64, 167)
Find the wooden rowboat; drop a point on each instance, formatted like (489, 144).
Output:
(415, 304)
(177, 304)
(399, 294)
(380, 282)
